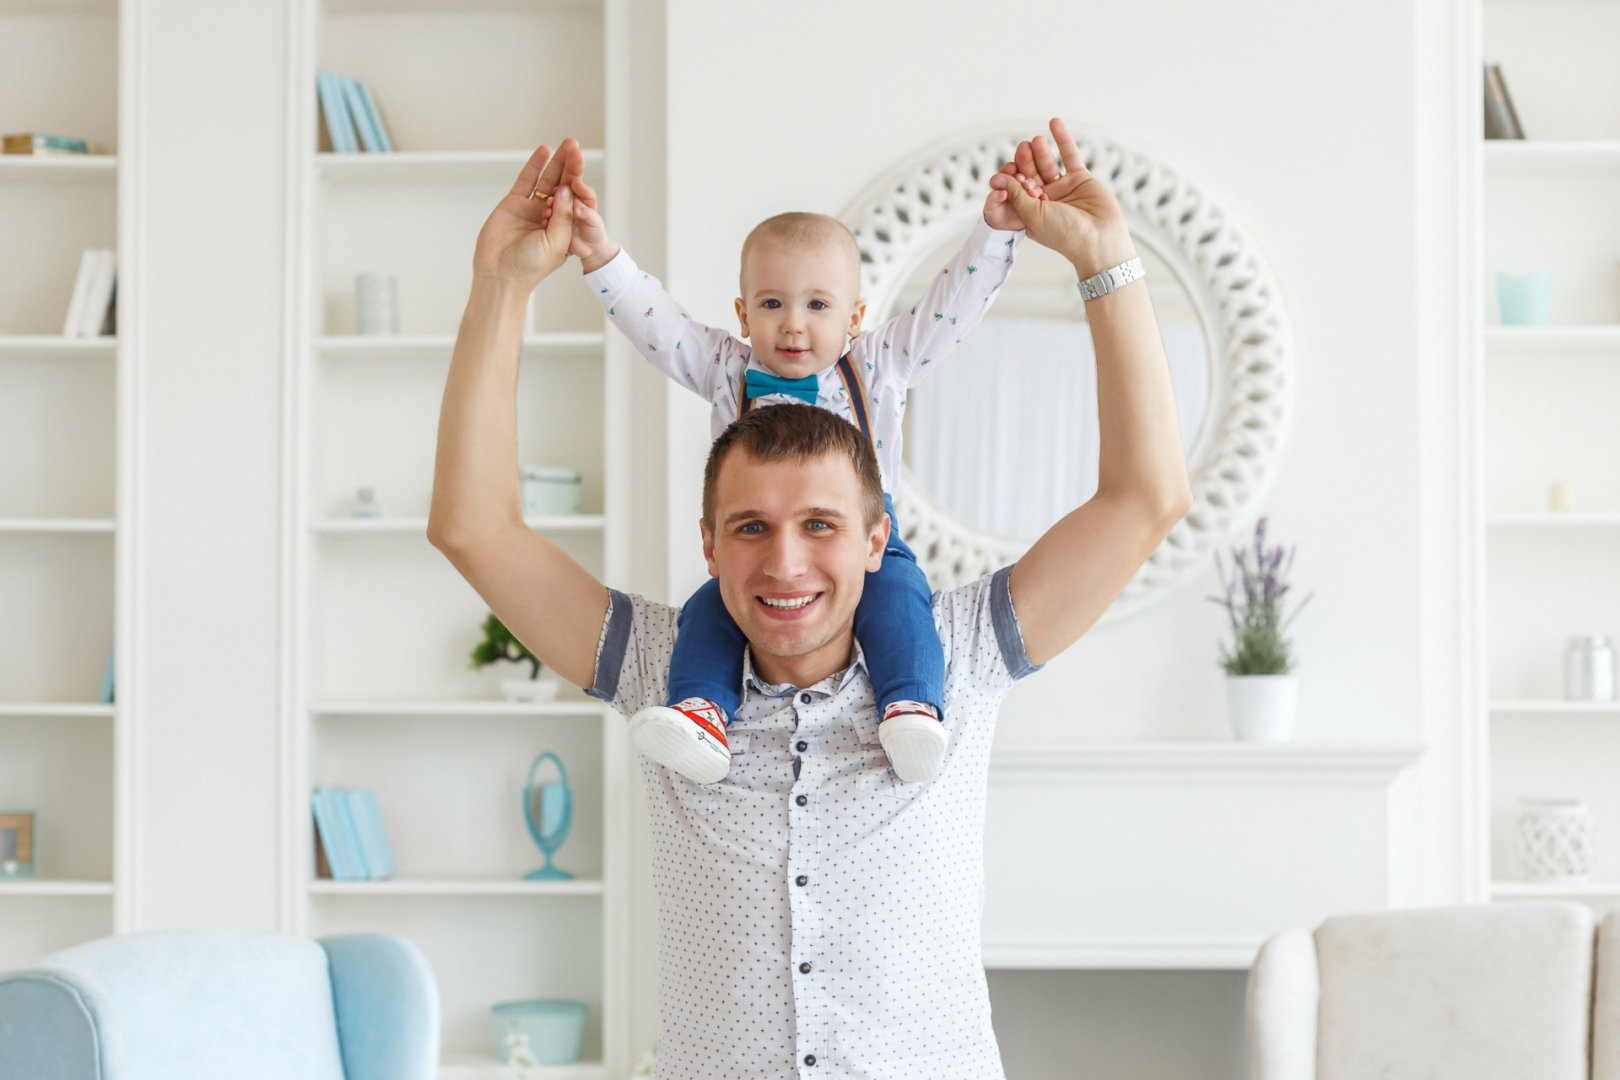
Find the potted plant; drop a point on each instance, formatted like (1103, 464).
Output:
(499, 644)
(1262, 694)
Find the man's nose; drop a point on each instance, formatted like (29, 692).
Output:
(786, 556)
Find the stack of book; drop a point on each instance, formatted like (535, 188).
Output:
(1501, 118)
(351, 115)
(93, 311)
(350, 841)
(32, 142)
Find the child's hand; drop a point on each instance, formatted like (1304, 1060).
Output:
(590, 240)
(998, 211)
(516, 243)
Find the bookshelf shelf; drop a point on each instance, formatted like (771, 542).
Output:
(1541, 341)
(1551, 157)
(438, 346)
(1555, 890)
(55, 708)
(455, 887)
(457, 708)
(56, 888)
(432, 166)
(1545, 520)
(402, 526)
(58, 169)
(477, 1068)
(57, 525)
(1555, 707)
(57, 346)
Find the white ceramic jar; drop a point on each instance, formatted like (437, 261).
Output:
(1555, 839)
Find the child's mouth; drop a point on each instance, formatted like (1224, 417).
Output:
(792, 353)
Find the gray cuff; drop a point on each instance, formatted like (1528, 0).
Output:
(1005, 621)
(611, 648)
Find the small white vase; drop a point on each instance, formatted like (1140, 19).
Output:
(530, 690)
(1262, 707)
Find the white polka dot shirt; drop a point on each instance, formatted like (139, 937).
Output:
(817, 918)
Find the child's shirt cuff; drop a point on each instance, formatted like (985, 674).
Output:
(609, 282)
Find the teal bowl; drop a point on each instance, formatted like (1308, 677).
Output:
(547, 1030)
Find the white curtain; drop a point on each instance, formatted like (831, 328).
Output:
(1004, 431)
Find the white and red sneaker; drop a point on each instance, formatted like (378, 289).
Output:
(914, 739)
(689, 738)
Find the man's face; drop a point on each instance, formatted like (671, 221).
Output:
(791, 550)
(800, 306)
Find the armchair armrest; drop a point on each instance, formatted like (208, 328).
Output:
(387, 1007)
(1283, 996)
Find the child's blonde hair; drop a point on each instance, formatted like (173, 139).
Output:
(801, 228)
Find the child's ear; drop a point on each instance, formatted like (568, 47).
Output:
(742, 315)
(857, 315)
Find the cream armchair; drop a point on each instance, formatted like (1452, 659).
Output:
(1519, 992)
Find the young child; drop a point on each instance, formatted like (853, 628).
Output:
(801, 312)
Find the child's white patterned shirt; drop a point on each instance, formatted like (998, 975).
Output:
(817, 918)
(891, 359)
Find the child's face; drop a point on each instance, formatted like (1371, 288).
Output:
(800, 306)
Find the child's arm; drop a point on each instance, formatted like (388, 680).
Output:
(693, 355)
(909, 344)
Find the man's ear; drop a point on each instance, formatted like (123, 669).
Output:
(742, 315)
(880, 542)
(708, 547)
(857, 315)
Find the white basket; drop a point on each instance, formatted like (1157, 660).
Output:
(1555, 839)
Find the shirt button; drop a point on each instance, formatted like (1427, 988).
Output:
(804, 699)
(801, 800)
(801, 880)
(809, 1059)
(804, 969)
(803, 746)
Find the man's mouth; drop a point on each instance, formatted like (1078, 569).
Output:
(787, 607)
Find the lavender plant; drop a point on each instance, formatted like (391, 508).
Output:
(1254, 599)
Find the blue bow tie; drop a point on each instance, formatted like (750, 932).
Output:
(760, 383)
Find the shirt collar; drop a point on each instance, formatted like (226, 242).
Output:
(832, 684)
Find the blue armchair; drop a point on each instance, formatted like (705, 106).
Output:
(203, 1005)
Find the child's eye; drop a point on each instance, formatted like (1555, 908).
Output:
(818, 305)
(770, 305)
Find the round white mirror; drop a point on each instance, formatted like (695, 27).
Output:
(1001, 439)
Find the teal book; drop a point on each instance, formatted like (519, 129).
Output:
(107, 687)
(332, 840)
(339, 799)
(362, 119)
(339, 127)
(368, 824)
(375, 115)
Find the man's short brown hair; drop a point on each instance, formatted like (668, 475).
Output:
(799, 433)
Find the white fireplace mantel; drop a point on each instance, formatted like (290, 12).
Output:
(1179, 855)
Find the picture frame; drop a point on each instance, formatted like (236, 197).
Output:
(16, 844)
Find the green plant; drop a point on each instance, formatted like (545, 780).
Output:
(499, 644)
(1253, 599)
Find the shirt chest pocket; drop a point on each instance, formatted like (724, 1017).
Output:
(877, 778)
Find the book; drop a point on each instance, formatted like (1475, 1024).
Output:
(339, 800)
(98, 297)
(32, 142)
(375, 114)
(362, 118)
(368, 825)
(88, 262)
(107, 687)
(1501, 118)
(339, 126)
(329, 832)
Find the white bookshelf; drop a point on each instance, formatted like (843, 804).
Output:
(64, 492)
(1548, 395)
(379, 693)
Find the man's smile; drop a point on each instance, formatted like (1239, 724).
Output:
(788, 607)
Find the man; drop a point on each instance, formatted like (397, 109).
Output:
(817, 918)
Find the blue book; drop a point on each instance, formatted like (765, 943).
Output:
(332, 839)
(339, 128)
(368, 824)
(107, 679)
(339, 800)
(375, 115)
(357, 112)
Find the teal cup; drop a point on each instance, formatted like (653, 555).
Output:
(541, 1031)
(1526, 300)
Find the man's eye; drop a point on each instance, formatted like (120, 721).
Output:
(818, 305)
(752, 528)
(817, 526)
(770, 305)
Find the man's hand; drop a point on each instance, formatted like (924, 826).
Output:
(524, 240)
(1065, 208)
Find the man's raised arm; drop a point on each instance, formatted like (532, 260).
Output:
(548, 600)
(1068, 578)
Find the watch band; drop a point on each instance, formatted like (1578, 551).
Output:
(1115, 277)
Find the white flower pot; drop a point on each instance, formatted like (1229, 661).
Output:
(1262, 707)
(530, 690)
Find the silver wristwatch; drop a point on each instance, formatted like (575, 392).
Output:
(1115, 277)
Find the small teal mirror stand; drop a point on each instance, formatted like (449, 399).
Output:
(548, 808)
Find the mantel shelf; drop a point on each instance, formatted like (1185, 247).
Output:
(440, 345)
(430, 166)
(1357, 763)
(413, 526)
(45, 887)
(1551, 156)
(57, 525)
(1548, 520)
(456, 708)
(456, 887)
(1531, 707)
(1538, 341)
(56, 344)
(1555, 890)
(55, 708)
(57, 168)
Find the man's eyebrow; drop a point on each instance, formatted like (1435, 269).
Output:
(825, 512)
(808, 512)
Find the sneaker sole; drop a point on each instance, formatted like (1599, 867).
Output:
(669, 740)
(915, 745)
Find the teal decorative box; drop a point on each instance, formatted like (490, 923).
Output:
(542, 1031)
